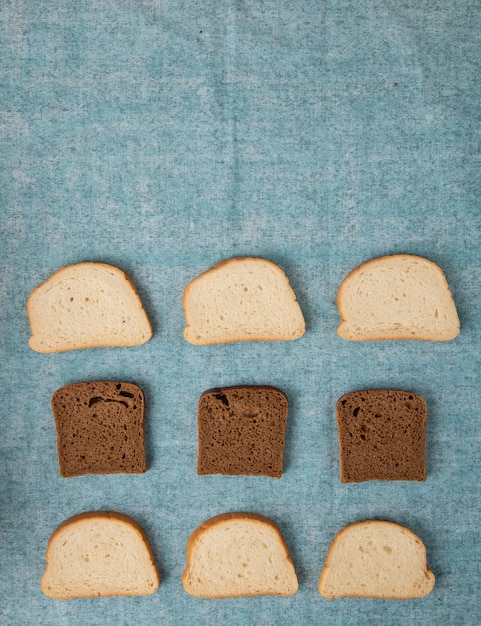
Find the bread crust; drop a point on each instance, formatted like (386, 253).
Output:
(221, 389)
(105, 515)
(226, 517)
(123, 275)
(359, 268)
(214, 268)
(350, 527)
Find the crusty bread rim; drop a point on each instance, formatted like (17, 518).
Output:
(349, 527)
(377, 391)
(123, 274)
(215, 267)
(106, 515)
(366, 264)
(225, 518)
(234, 387)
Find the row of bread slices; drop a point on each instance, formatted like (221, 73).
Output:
(241, 431)
(91, 305)
(235, 554)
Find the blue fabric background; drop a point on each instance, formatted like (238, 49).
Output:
(165, 136)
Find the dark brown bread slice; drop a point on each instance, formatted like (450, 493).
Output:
(242, 431)
(100, 428)
(382, 435)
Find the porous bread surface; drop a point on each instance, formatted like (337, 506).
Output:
(87, 305)
(100, 428)
(397, 297)
(238, 554)
(382, 435)
(99, 554)
(242, 431)
(242, 299)
(376, 559)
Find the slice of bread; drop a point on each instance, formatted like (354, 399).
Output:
(100, 428)
(88, 305)
(376, 559)
(97, 554)
(242, 431)
(382, 435)
(238, 554)
(397, 297)
(242, 299)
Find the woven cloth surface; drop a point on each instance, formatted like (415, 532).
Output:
(163, 137)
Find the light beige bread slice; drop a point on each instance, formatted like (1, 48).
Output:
(397, 297)
(87, 305)
(238, 554)
(242, 299)
(376, 559)
(97, 554)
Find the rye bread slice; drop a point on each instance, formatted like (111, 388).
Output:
(382, 435)
(242, 431)
(100, 428)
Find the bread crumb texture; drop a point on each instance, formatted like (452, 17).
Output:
(242, 431)
(238, 554)
(382, 435)
(87, 305)
(397, 297)
(242, 299)
(376, 559)
(100, 428)
(99, 554)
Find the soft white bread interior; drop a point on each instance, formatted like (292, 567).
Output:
(242, 299)
(376, 559)
(238, 554)
(87, 305)
(99, 554)
(397, 297)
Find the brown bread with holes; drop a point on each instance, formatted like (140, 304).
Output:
(382, 435)
(100, 428)
(242, 431)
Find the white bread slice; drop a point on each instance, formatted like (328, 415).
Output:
(242, 299)
(87, 305)
(99, 553)
(397, 297)
(238, 554)
(376, 559)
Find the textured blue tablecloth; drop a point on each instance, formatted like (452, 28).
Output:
(165, 136)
